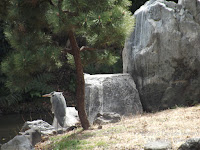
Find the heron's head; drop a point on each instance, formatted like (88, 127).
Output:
(52, 94)
(49, 95)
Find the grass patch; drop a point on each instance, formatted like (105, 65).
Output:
(102, 144)
(79, 140)
(70, 144)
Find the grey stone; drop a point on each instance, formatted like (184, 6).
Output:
(191, 144)
(33, 135)
(108, 117)
(44, 127)
(162, 53)
(19, 142)
(101, 121)
(112, 116)
(111, 93)
(158, 145)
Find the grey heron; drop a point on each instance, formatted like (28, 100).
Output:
(58, 106)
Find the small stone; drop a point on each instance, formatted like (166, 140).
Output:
(108, 117)
(158, 145)
(71, 128)
(54, 132)
(114, 117)
(60, 131)
(100, 127)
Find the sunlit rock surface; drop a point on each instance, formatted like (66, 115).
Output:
(44, 127)
(111, 93)
(163, 53)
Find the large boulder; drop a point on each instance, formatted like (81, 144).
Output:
(44, 127)
(19, 142)
(163, 53)
(191, 144)
(111, 93)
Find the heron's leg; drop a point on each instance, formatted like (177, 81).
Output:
(57, 127)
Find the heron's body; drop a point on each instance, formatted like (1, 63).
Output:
(58, 106)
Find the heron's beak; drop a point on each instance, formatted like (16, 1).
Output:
(46, 95)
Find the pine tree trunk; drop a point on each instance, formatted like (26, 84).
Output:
(80, 82)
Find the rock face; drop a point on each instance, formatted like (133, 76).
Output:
(111, 93)
(163, 53)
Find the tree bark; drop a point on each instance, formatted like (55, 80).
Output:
(80, 82)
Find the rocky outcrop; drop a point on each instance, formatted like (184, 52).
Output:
(111, 93)
(163, 53)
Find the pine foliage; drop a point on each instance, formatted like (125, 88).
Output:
(103, 23)
(37, 31)
(28, 67)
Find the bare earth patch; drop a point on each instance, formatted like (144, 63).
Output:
(133, 132)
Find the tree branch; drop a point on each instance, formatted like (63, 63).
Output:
(84, 48)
